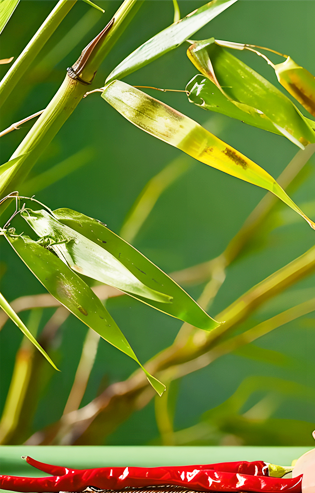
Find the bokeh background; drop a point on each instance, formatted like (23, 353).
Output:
(192, 222)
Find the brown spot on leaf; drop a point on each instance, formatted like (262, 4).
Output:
(235, 157)
(304, 99)
(140, 270)
(82, 310)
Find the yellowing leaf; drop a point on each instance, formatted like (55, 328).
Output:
(299, 82)
(167, 124)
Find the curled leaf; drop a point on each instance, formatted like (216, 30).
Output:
(261, 103)
(72, 292)
(167, 124)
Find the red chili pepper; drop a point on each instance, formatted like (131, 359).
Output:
(256, 468)
(118, 478)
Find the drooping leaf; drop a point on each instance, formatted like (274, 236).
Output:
(86, 257)
(182, 306)
(299, 82)
(94, 5)
(72, 292)
(261, 103)
(169, 39)
(203, 93)
(6, 307)
(7, 7)
(167, 124)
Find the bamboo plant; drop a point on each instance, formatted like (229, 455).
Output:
(73, 255)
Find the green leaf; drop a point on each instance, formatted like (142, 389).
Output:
(169, 39)
(86, 257)
(182, 306)
(261, 103)
(7, 7)
(6, 307)
(203, 93)
(167, 124)
(94, 5)
(72, 292)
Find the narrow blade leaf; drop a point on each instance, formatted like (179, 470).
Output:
(86, 257)
(182, 306)
(72, 292)
(299, 82)
(169, 39)
(167, 124)
(252, 95)
(6, 307)
(7, 7)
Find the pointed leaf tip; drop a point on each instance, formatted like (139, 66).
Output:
(176, 129)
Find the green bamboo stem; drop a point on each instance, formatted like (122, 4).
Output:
(55, 115)
(32, 49)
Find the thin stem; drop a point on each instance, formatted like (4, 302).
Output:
(15, 126)
(266, 49)
(32, 49)
(162, 90)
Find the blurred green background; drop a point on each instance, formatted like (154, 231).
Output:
(192, 222)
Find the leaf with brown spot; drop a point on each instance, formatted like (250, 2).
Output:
(231, 87)
(167, 124)
(72, 292)
(299, 82)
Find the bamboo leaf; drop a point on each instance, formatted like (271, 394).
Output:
(72, 292)
(7, 7)
(94, 5)
(299, 82)
(86, 257)
(261, 103)
(182, 306)
(6, 307)
(203, 93)
(169, 39)
(167, 124)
